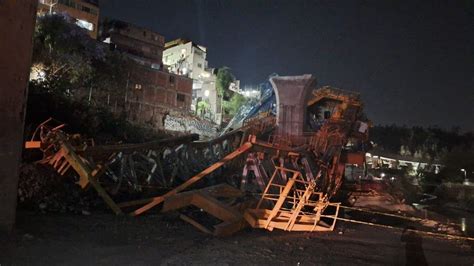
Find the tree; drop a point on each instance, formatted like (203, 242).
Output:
(455, 160)
(231, 107)
(110, 76)
(203, 108)
(63, 54)
(223, 80)
(231, 101)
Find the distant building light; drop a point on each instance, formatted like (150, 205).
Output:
(85, 24)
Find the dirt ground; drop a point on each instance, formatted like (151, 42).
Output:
(104, 239)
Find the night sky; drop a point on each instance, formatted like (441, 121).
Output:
(412, 61)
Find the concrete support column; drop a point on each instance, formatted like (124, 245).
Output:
(17, 20)
(292, 93)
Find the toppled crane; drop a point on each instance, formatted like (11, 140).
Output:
(293, 160)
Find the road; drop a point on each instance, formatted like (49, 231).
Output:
(104, 239)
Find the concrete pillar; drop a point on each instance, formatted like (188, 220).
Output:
(17, 20)
(292, 94)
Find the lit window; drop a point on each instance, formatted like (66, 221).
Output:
(85, 24)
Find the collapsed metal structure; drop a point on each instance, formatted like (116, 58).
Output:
(278, 170)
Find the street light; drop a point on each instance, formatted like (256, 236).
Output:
(466, 181)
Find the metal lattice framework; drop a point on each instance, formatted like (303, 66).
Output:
(293, 205)
(306, 170)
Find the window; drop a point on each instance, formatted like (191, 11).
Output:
(172, 79)
(199, 65)
(70, 3)
(64, 2)
(197, 51)
(85, 24)
(86, 9)
(180, 97)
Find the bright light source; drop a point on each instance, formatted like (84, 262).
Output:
(382, 175)
(37, 73)
(183, 51)
(206, 93)
(185, 70)
(85, 24)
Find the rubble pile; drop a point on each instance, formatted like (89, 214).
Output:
(39, 188)
(190, 124)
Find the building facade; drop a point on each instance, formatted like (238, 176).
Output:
(185, 58)
(143, 46)
(85, 12)
(152, 92)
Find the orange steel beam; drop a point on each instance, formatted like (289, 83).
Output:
(157, 200)
(85, 173)
(206, 200)
(32, 144)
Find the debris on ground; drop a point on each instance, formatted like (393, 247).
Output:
(41, 189)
